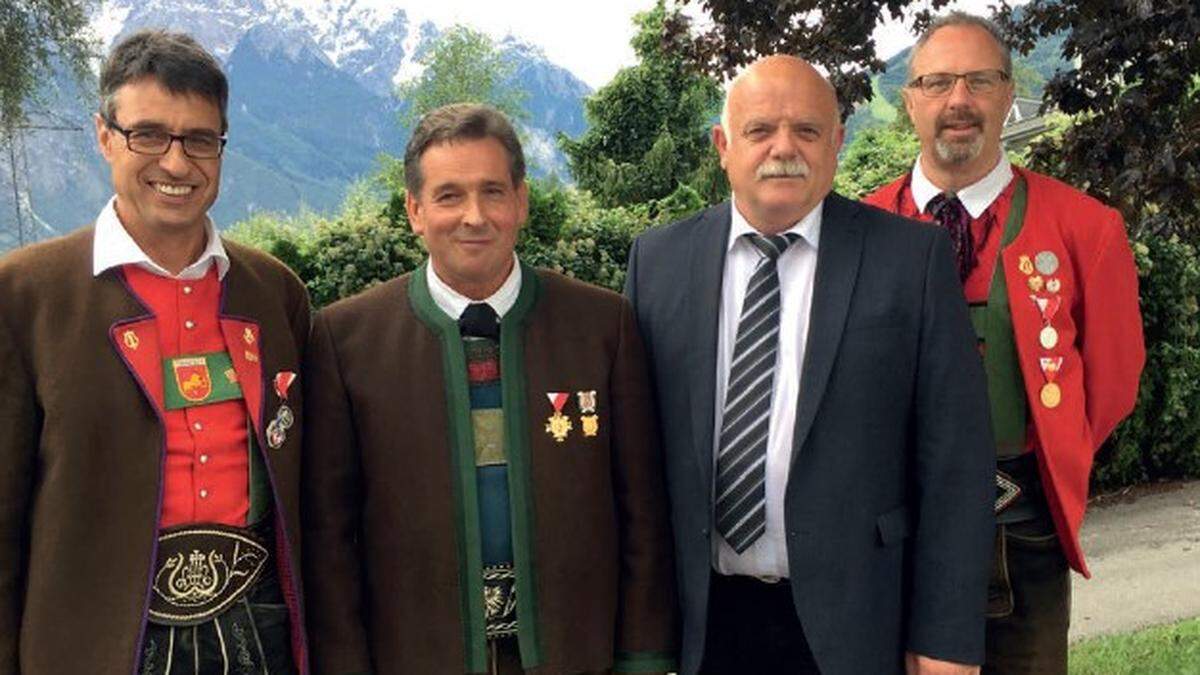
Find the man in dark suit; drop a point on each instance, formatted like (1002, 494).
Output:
(824, 412)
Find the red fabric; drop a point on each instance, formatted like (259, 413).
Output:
(989, 223)
(206, 475)
(1100, 336)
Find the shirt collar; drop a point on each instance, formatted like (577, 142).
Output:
(113, 247)
(808, 227)
(453, 303)
(976, 197)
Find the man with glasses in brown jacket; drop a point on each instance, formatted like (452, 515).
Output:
(149, 418)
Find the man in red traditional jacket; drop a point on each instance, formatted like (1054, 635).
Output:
(1052, 287)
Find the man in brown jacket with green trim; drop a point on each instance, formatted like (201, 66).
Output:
(483, 486)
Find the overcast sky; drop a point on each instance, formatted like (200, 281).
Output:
(591, 39)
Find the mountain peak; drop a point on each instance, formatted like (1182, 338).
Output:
(291, 43)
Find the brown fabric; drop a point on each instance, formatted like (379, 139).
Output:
(381, 555)
(81, 451)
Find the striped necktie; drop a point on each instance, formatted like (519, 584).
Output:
(741, 510)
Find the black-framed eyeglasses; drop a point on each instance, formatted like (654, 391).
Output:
(936, 85)
(198, 145)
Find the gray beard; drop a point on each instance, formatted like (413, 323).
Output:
(958, 153)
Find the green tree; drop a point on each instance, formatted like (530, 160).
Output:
(835, 34)
(36, 36)
(1135, 143)
(648, 129)
(876, 156)
(463, 66)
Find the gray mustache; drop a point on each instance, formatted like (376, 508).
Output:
(782, 168)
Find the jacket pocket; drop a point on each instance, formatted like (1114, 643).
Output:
(893, 526)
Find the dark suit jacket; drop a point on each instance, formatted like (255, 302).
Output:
(82, 448)
(888, 502)
(392, 557)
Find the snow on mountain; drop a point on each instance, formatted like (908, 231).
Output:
(312, 102)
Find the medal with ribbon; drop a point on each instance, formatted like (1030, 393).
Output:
(1048, 307)
(284, 418)
(558, 425)
(1051, 393)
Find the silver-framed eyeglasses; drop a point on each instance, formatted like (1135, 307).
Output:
(198, 145)
(936, 85)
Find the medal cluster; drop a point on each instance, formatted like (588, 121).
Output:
(560, 426)
(1045, 286)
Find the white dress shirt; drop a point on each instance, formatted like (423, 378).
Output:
(976, 197)
(454, 303)
(767, 557)
(112, 247)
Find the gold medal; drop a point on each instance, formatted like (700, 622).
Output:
(558, 425)
(1035, 283)
(131, 339)
(1025, 265)
(591, 424)
(1053, 285)
(1051, 395)
(1048, 337)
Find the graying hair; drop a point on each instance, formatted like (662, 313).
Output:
(175, 60)
(960, 18)
(456, 122)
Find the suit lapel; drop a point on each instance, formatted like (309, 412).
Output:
(707, 262)
(136, 341)
(134, 335)
(838, 257)
(243, 339)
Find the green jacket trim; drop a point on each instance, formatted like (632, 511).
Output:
(520, 476)
(462, 463)
(645, 662)
(462, 445)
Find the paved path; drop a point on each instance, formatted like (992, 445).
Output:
(1144, 554)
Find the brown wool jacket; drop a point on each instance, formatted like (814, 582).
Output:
(82, 447)
(390, 517)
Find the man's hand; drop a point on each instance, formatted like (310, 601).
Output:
(915, 664)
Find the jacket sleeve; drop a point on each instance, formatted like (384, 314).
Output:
(954, 475)
(1110, 332)
(646, 619)
(332, 507)
(19, 432)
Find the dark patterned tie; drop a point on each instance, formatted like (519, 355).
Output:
(741, 510)
(950, 213)
(479, 320)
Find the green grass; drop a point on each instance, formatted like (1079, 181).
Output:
(1173, 649)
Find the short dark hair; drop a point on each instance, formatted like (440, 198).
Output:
(960, 18)
(179, 63)
(456, 122)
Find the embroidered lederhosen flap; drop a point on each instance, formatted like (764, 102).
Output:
(202, 570)
(499, 601)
